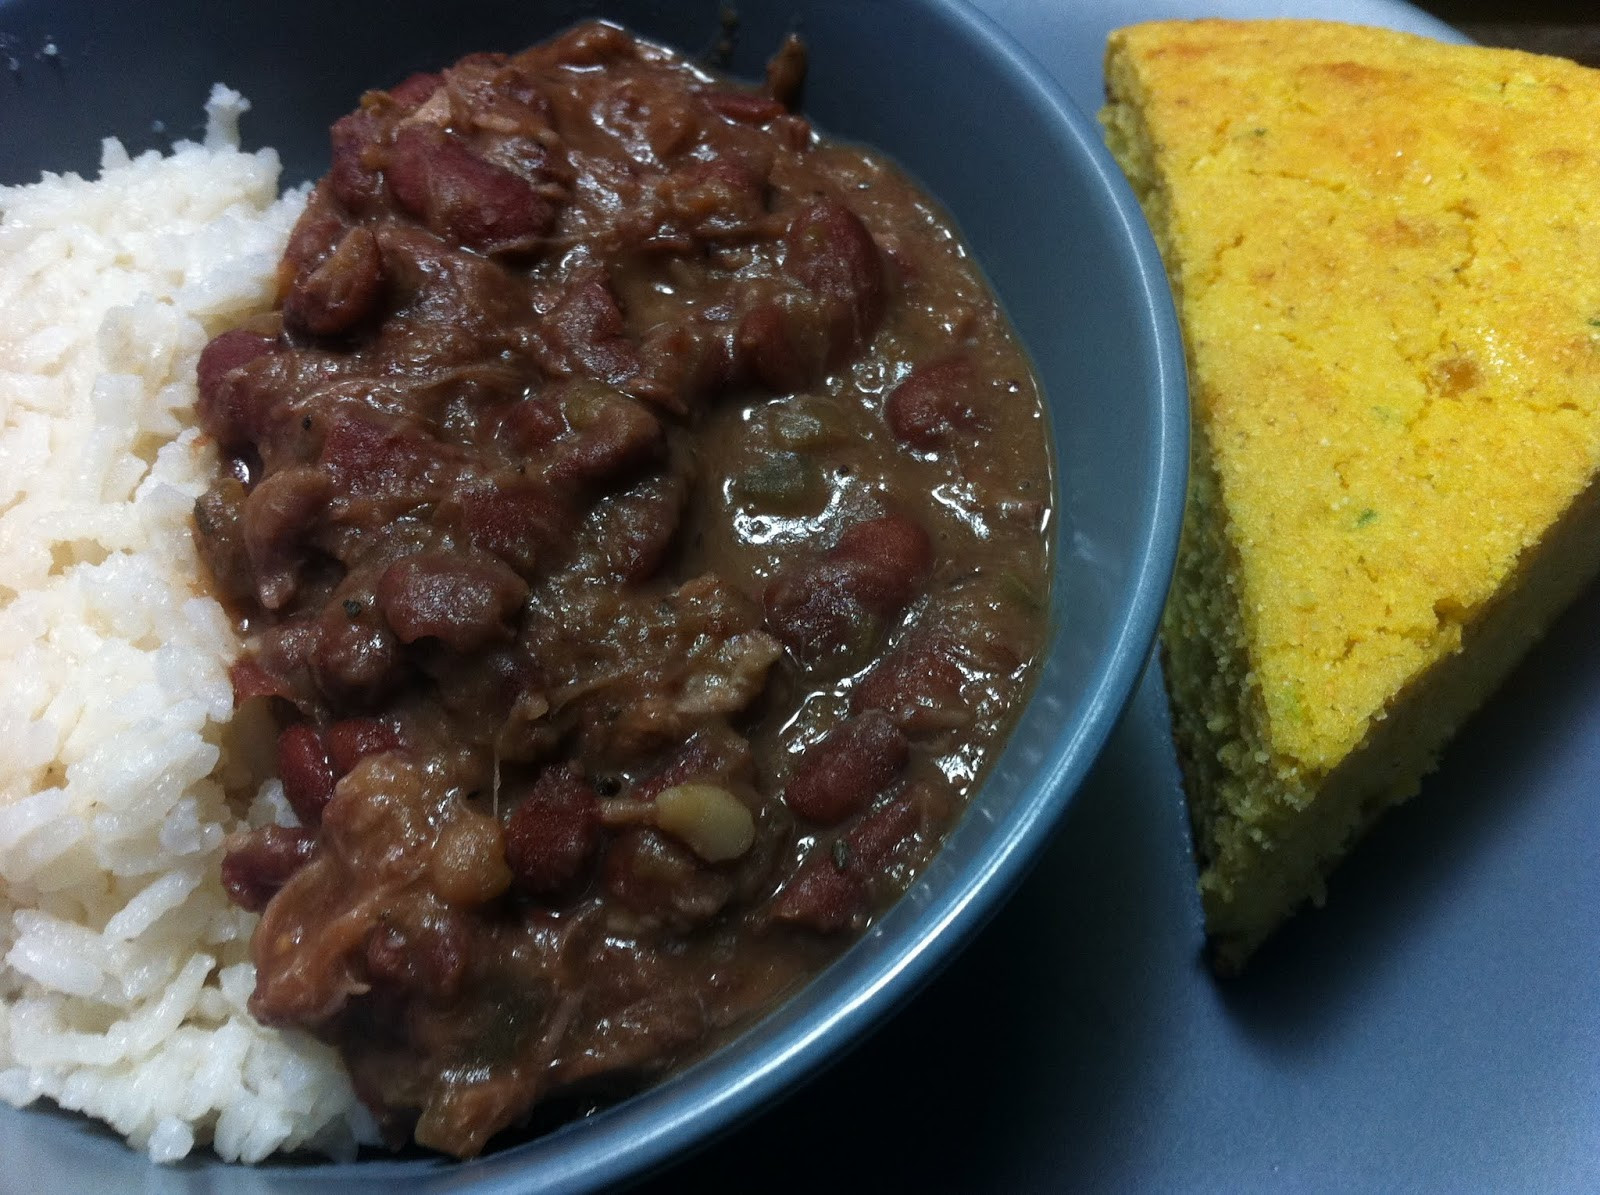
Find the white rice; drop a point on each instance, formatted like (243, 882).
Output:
(125, 968)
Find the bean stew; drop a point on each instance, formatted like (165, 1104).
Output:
(636, 511)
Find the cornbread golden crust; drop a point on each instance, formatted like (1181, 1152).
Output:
(1386, 254)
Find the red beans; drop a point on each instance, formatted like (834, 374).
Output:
(320, 227)
(430, 958)
(250, 680)
(918, 686)
(464, 600)
(743, 107)
(892, 557)
(223, 407)
(352, 176)
(833, 256)
(342, 291)
(635, 529)
(521, 522)
(531, 424)
(783, 343)
(305, 770)
(584, 332)
(369, 456)
(462, 197)
(934, 404)
(873, 571)
(415, 90)
(553, 833)
(831, 891)
(840, 775)
(611, 435)
(715, 754)
(310, 762)
(658, 877)
(259, 862)
(356, 659)
(822, 897)
(353, 739)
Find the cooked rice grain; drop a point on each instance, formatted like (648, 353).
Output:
(126, 969)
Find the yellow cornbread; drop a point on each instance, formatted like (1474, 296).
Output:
(1386, 255)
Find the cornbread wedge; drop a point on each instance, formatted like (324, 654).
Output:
(1386, 255)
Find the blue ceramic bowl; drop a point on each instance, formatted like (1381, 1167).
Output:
(1048, 216)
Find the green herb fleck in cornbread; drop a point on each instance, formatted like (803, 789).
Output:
(1386, 255)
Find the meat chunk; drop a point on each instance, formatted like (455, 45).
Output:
(465, 600)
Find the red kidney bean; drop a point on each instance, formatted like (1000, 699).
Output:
(305, 770)
(462, 197)
(934, 404)
(224, 409)
(657, 876)
(918, 686)
(250, 680)
(714, 755)
(257, 863)
(635, 529)
(277, 517)
(812, 612)
(872, 840)
(352, 176)
(320, 227)
(840, 775)
(743, 107)
(553, 833)
(531, 424)
(219, 538)
(873, 571)
(350, 740)
(830, 892)
(584, 332)
(611, 434)
(832, 255)
(341, 292)
(895, 544)
(464, 600)
(522, 522)
(356, 658)
(368, 456)
(415, 90)
(784, 343)
(429, 957)
(280, 664)
(822, 897)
